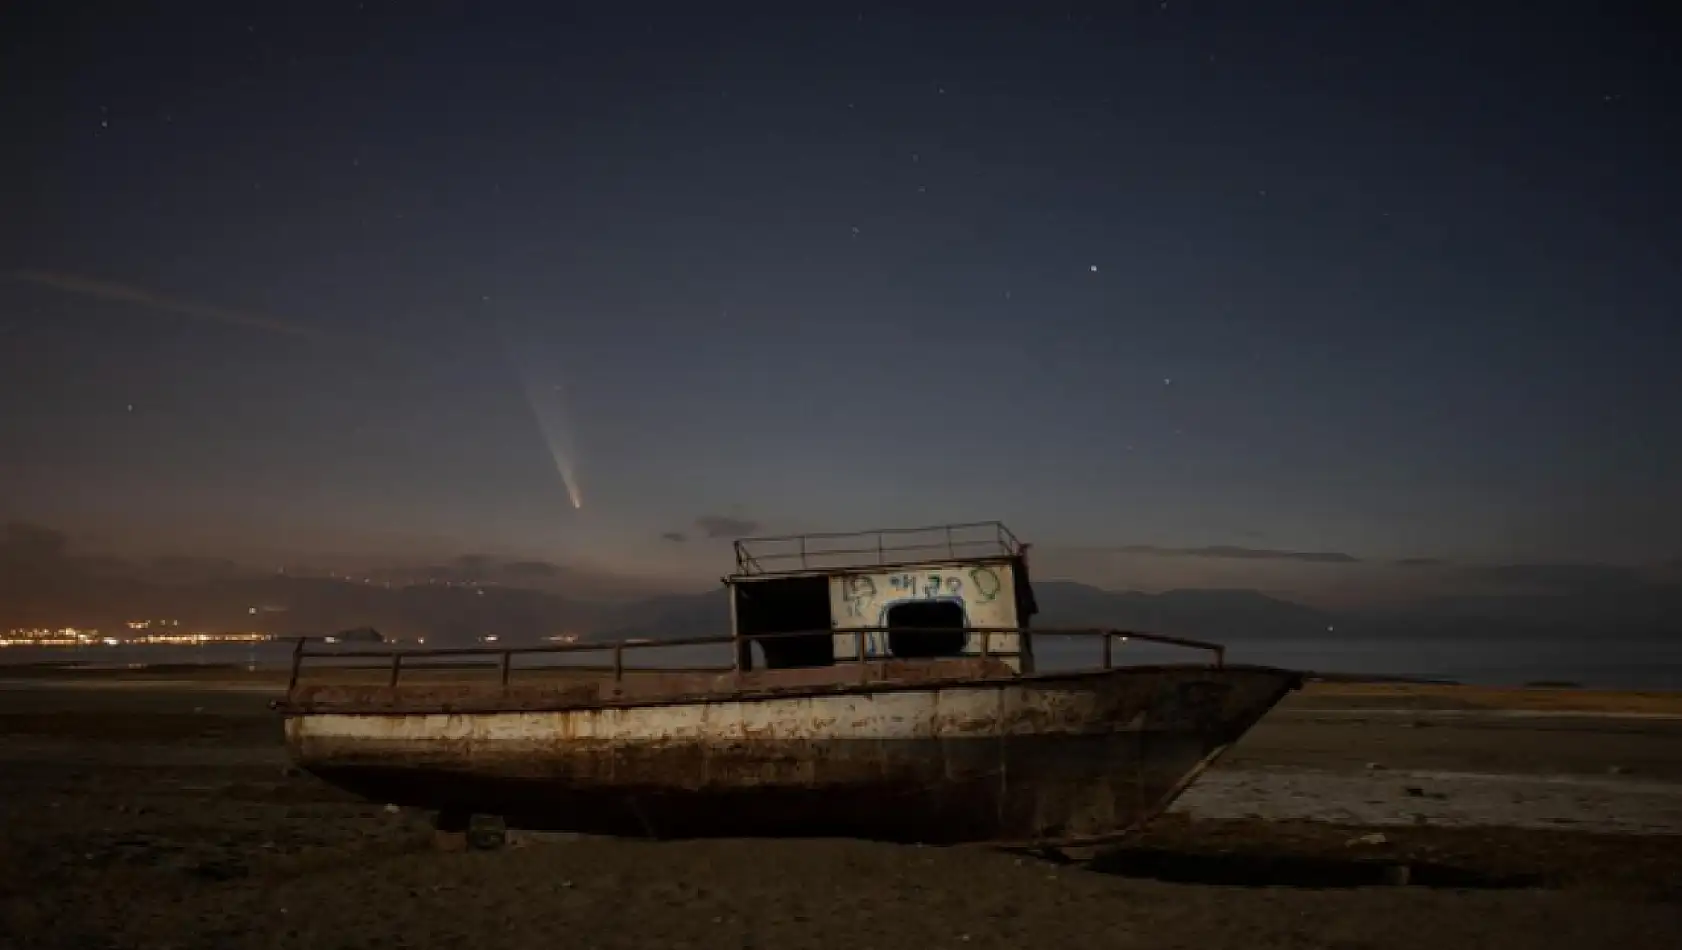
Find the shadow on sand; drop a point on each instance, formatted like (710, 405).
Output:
(1287, 870)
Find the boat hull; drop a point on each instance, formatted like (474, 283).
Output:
(1045, 759)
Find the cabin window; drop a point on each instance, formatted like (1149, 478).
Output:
(927, 628)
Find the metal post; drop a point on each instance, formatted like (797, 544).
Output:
(1109, 649)
(507, 666)
(618, 662)
(742, 648)
(297, 664)
(396, 668)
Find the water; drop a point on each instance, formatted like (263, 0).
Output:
(1605, 665)
(1492, 662)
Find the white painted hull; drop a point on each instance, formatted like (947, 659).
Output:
(1045, 758)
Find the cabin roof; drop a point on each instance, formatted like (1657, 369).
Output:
(853, 551)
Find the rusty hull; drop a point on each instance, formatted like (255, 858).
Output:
(944, 753)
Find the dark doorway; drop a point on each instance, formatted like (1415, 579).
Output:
(787, 605)
(926, 628)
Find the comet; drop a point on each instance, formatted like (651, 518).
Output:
(548, 408)
(547, 405)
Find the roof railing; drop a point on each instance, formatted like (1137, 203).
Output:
(880, 547)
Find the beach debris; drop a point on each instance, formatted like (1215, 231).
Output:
(1414, 791)
(1375, 767)
(392, 809)
(486, 833)
(1375, 838)
(1617, 770)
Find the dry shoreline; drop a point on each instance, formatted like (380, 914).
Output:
(171, 784)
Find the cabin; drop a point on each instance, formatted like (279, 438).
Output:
(942, 592)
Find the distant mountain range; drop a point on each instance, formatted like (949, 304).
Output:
(1193, 613)
(1238, 615)
(41, 585)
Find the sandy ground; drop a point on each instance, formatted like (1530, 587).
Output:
(162, 815)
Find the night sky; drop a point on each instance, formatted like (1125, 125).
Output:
(1323, 287)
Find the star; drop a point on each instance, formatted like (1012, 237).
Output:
(1094, 268)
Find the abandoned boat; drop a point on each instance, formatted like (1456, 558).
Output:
(880, 685)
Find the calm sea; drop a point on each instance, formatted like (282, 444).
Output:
(1493, 662)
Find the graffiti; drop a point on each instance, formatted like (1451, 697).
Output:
(985, 582)
(858, 592)
(931, 586)
(863, 600)
(980, 591)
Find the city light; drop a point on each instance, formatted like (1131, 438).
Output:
(84, 637)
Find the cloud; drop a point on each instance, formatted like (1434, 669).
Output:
(1421, 562)
(724, 526)
(1231, 552)
(518, 571)
(676, 537)
(23, 541)
(140, 297)
(1560, 578)
(185, 567)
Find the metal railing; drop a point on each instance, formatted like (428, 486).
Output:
(881, 547)
(396, 659)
